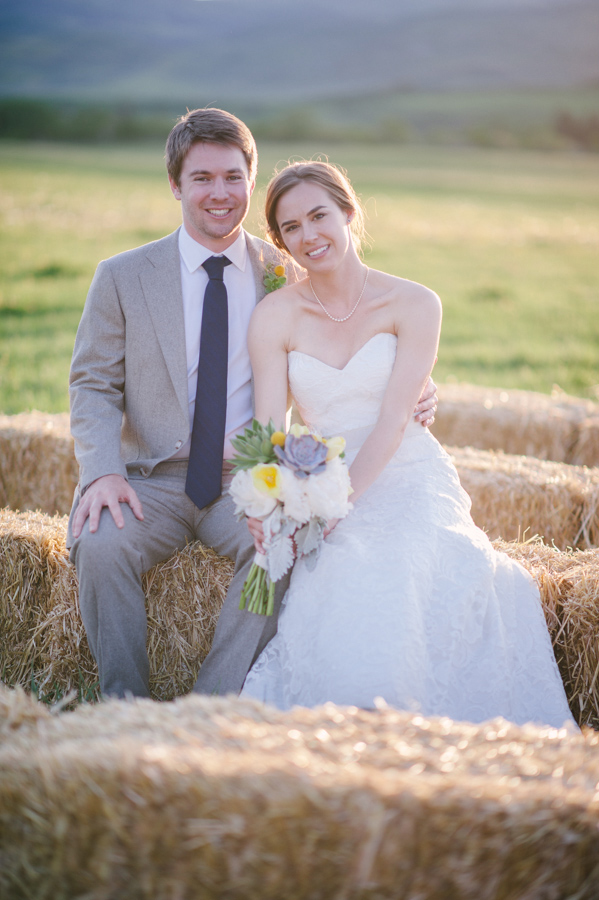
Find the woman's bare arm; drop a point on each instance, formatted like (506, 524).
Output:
(419, 323)
(268, 355)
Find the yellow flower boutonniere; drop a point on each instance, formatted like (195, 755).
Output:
(274, 277)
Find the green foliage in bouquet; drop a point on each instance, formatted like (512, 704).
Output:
(256, 445)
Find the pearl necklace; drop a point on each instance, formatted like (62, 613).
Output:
(345, 318)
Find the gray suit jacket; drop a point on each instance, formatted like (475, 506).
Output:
(128, 382)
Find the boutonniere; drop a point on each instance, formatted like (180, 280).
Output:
(274, 277)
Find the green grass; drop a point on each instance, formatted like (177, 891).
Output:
(458, 109)
(508, 239)
(54, 696)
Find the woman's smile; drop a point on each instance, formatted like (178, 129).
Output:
(314, 254)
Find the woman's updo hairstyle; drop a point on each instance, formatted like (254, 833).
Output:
(329, 177)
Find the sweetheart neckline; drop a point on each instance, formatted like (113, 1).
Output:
(351, 359)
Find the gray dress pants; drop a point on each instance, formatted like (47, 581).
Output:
(110, 564)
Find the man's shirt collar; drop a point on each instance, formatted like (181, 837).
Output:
(195, 255)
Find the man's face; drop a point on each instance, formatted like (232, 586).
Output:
(214, 191)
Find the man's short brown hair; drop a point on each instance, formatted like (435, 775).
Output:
(212, 126)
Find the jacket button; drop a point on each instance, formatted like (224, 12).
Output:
(143, 471)
(178, 445)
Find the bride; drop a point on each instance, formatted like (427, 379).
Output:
(408, 602)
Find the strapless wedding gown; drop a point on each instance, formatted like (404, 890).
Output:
(408, 602)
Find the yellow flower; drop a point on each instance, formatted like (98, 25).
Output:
(278, 439)
(279, 270)
(298, 430)
(267, 479)
(335, 446)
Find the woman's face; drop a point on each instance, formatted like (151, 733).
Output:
(314, 228)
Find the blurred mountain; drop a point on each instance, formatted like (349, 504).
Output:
(209, 51)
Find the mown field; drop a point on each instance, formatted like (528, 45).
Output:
(508, 239)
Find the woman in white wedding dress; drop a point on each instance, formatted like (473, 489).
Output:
(408, 602)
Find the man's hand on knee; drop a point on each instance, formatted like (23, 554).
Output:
(110, 491)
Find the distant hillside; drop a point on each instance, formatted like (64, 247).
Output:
(211, 51)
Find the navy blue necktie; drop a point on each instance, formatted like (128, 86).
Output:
(204, 472)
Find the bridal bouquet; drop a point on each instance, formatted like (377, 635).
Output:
(295, 483)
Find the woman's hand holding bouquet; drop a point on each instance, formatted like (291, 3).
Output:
(295, 484)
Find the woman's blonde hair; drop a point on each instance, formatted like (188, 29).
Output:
(335, 182)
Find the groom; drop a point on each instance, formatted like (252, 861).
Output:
(160, 382)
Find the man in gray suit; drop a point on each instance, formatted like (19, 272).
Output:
(139, 365)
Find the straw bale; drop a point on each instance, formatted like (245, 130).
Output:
(569, 587)
(224, 799)
(31, 555)
(586, 449)
(516, 497)
(41, 632)
(521, 422)
(37, 462)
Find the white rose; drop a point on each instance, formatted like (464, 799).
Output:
(295, 502)
(247, 498)
(329, 491)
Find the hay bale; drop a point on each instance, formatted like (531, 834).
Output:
(37, 462)
(516, 497)
(32, 553)
(229, 800)
(586, 449)
(41, 633)
(569, 587)
(521, 422)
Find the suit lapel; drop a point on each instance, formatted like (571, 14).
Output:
(161, 284)
(160, 279)
(261, 253)
(255, 248)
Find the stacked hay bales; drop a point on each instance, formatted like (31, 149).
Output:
(222, 798)
(569, 587)
(37, 464)
(517, 497)
(42, 636)
(586, 449)
(42, 639)
(512, 496)
(32, 553)
(557, 427)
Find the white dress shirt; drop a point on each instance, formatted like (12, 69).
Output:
(241, 298)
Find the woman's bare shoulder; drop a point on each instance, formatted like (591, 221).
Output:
(276, 314)
(282, 302)
(402, 291)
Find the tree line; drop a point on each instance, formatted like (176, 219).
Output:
(45, 120)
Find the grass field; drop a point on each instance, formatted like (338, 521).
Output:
(508, 239)
(524, 117)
